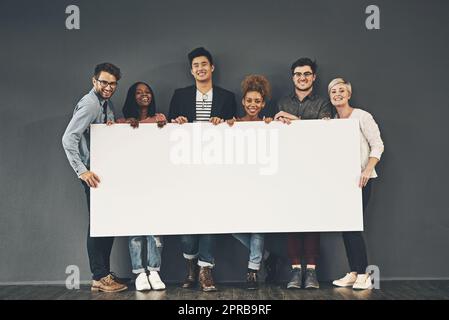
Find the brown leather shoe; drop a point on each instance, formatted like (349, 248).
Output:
(192, 274)
(206, 280)
(118, 279)
(107, 284)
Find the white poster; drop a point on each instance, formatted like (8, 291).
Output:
(251, 177)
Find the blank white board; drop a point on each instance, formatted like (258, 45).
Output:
(252, 177)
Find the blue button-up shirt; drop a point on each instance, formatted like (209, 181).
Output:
(76, 138)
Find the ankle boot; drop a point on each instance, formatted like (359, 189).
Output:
(206, 281)
(192, 273)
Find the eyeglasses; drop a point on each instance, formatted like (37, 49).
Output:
(104, 83)
(305, 74)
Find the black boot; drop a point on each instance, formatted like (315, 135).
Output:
(192, 274)
(271, 268)
(311, 281)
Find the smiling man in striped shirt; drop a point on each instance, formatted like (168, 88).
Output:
(202, 102)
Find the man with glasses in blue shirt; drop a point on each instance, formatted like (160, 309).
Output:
(94, 107)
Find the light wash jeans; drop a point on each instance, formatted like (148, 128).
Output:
(254, 242)
(154, 251)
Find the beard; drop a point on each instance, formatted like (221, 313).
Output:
(105, 95)
(304, 89)
(101, 94)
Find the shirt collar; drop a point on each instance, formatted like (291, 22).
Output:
(100, 98)
(199, 95)
(311, 96)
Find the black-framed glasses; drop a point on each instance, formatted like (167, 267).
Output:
(305, 74)
(104, 83)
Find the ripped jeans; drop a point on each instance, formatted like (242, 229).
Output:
(153, 253)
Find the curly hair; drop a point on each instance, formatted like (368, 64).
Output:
(257, 83)
(109, 68)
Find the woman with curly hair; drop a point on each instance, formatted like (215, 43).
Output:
(256, 91)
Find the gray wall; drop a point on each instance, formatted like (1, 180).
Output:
(399, 74)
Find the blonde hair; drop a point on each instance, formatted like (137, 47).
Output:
(256, 83)
(336, 81)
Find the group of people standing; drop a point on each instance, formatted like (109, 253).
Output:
(206, 102)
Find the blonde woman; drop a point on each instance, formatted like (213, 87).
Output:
(371, 148)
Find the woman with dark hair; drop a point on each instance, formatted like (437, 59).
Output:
(256, 91)
(140, 106)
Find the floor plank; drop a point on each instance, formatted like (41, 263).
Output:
(389, 290)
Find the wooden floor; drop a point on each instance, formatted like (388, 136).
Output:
(389, 290)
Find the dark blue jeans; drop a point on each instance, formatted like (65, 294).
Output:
(98, 248)
(354, 242)
(199, 246)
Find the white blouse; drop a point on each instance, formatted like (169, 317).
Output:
(371, 144)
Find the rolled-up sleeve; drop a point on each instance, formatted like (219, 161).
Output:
(81, 120)
(371, 131)
(325, 110)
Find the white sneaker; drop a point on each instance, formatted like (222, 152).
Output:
(363, 282)
(347, 281)
(156, 281)
(142, 282)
